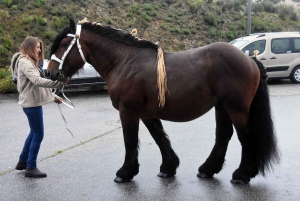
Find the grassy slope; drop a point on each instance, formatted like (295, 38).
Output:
(176, 24)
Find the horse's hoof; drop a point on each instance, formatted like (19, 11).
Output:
(204, 175)
(121, 180)
(165, 175)
(238, 181)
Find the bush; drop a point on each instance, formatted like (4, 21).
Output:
(8, 42)
(211, 18)
(3, 50)
(60, 23)
(284, 11)
(269, 7)
(6, 83)
(41, 21)
(195, 5)
(28, 19)
(6, 2)
(38, 3)
(147, 6)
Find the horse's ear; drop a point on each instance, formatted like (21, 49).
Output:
(72, 25)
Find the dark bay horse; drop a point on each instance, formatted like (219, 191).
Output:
(217, 75)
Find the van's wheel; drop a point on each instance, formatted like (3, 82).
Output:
(295, 75)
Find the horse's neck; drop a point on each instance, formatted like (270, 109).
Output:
(104, 56)
(114, 57)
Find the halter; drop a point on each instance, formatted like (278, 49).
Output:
(61, 62)
(76, 38)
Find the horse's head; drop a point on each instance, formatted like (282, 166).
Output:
(66, 54)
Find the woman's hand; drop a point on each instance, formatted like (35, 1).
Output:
(58, 100)
(67, 81)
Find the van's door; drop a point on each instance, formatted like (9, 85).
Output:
(296, 53)
(280, 58)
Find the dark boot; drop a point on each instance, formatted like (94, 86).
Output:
(21, 165)
(36, 173)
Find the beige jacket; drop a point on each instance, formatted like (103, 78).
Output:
(34, 89)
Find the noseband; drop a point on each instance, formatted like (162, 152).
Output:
(61, 61)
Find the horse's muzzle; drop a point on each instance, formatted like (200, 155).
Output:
(59, 76)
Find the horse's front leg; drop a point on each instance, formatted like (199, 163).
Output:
(130, 168)
(170, 160)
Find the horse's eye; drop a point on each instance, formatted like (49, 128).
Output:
(63, 44)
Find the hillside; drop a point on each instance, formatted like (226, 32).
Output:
(175, 24)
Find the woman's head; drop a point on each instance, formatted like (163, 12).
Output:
(33, 48)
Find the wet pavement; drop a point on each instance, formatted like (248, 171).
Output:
(83, 168)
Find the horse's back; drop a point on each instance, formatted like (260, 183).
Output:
(202, 77)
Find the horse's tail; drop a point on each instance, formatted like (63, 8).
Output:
(261, 125)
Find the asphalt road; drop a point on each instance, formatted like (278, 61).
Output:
(83, 167)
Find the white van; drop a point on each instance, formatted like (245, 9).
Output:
(278, 51)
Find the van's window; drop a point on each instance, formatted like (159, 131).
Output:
(297, 44)
(238, 43)
(257, 45)
(280, 45)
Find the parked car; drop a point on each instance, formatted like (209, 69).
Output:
(87, 76)
(278, 51)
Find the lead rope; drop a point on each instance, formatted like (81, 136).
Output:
(71, 106)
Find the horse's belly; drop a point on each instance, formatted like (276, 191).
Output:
(186, 113)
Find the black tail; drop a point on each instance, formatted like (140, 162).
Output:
(261, 125)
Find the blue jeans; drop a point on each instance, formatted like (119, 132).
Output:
(33, 142)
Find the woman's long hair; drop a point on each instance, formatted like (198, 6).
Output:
(28, 48)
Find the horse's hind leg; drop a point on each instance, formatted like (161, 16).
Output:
(170, 160)
(224, 131)
(248, 167)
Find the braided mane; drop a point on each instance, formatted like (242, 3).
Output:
(118, 35)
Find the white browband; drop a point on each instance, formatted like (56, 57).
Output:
(76, 38)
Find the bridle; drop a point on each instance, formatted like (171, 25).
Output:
(76, 38)
(61, 76)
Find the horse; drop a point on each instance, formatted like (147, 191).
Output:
(144, 83)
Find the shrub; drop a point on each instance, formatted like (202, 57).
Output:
(153, 13)
(38, 3)
(3, 50)
(135, 8)
(269, 7)
(41, 21)
(8, 42)
(213, 31)
(59, 23)
(186, 31)
(6, 83)
(7, 2)
(258, 7)
(258, 25)
(210, 18)
(48, 34)
(284, 11)
(194, 5)
(111, 2)
(230, 35)
(28, 19)
(294, 16)
(146, 17)
(125, 3)
(175, 29)
(147, 6)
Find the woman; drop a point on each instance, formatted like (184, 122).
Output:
(34, 92)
